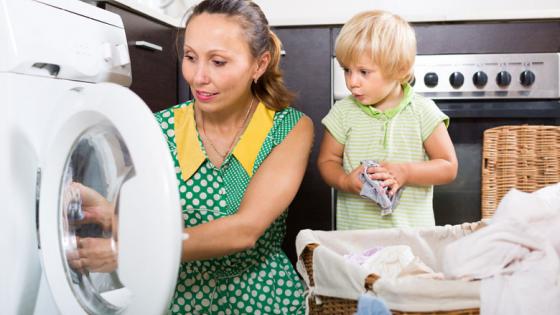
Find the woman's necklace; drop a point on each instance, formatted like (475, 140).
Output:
(235, 138)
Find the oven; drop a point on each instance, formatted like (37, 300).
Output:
(479, 91)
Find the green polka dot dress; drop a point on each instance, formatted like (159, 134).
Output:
(260, 280)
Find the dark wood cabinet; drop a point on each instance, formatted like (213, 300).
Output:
(307, 71)
(154, 71)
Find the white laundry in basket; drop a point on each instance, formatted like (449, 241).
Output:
(334, 276)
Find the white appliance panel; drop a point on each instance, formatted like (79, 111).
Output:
(88, 50)
(53, 52)
(24, 119)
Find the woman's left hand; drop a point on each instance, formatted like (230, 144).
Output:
(392, 175)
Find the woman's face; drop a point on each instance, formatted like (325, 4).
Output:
(217, 62)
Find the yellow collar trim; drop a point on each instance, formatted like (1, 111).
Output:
(189, 151)
(253, 138)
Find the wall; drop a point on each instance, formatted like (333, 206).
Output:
(317, 12)
(293, 12)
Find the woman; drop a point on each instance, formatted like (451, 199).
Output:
(240, 154)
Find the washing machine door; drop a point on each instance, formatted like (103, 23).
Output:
(110, 223)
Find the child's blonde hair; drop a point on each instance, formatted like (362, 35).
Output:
(386, 37)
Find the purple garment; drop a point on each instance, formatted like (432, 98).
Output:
(372, 189)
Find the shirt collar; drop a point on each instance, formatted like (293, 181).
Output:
(189, 151)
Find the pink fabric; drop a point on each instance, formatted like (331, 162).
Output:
(361, 258)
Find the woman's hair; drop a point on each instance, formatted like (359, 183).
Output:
(270, 87)
(386, 37)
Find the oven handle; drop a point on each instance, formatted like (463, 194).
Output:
(501, 109)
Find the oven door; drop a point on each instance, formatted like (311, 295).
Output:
(460, 201)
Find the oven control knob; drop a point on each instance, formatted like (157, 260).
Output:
(430, 79)
(503, 79)
(456, 79)
(527, 78)
(480, 79)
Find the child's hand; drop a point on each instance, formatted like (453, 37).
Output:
(393, 175)
(351, 182)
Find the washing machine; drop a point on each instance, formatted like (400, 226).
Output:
(69, 127)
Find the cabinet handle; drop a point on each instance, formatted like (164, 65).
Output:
(147, 45)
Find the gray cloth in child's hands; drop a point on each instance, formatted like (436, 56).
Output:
(373, 190)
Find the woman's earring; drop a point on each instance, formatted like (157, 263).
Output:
(255, 81)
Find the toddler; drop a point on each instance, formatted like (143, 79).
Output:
(383, 120)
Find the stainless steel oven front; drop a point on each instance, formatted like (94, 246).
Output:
(480, 91)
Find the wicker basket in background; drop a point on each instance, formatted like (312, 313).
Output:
(523, 157)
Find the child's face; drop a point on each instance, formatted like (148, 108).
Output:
(367, 83)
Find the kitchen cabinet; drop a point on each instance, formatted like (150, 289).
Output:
(153, 55)
(307, 72)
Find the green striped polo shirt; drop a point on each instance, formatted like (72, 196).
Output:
(396, 135)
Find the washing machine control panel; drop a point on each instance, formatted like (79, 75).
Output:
(93, 50)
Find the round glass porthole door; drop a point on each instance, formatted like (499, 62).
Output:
(109, 215)
(98, 165)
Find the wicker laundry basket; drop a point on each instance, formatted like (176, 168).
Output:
(334, 305)
(523, 157)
